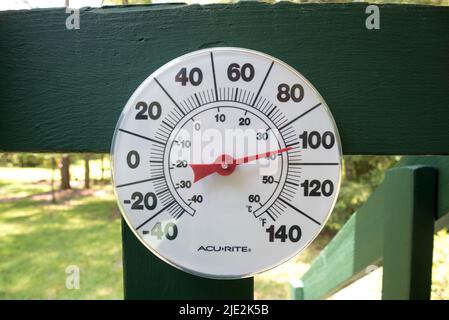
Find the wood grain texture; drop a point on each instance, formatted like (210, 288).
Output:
(63, 90)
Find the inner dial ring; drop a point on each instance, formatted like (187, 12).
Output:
(214, 132)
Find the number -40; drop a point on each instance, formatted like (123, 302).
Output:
(170, 231)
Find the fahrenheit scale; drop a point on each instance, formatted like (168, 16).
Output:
(226, 162)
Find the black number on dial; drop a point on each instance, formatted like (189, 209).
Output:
(149, 201)
(220, 118)
(195, 76)
(262, 135)
(185, 184)
(133, 159)
(170, 231)
(254, 198)
(285, 93)
(294, 233)
(244, 121)
(246, 72)
(316, 188)
(197, 198)
(154, 110)
(267, 179)
(314, 139)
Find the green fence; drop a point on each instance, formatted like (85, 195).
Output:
(394, 228)
(63, 90)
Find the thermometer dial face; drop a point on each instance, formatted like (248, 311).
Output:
(226, 162)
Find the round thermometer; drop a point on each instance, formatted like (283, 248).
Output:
(226, 162)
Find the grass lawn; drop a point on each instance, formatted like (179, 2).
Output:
(39, 240)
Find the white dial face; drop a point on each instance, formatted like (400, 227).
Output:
(226, 162)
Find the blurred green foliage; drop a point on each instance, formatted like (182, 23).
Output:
(41, 160)
(360, 176)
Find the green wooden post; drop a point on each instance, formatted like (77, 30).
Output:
(148, 277)
(297, 290)
(410, 207)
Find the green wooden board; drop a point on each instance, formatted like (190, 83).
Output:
(344, 260)
(147, 277)
(63, 90)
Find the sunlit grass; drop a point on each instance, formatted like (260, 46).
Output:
(40, 239)
(440, 270)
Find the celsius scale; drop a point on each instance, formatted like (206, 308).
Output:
(226, 162)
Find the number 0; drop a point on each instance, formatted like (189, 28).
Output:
(133, 159)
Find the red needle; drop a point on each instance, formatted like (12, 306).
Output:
(225, 164)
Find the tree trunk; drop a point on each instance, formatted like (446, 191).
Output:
(65, 172)
(102, 167)
(53, 165)
(86, 171)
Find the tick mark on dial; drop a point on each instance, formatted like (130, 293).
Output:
(299, 211)
(155, 215)
(300, 116)
(271, 111)
(140, 136)
(168, 95)
(263, 83)
(140, 181)
(213, 73)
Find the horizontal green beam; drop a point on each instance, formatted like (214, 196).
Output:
(63, 90)
(344, 260)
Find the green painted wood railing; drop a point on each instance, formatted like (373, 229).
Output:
(394, 228)
(63, 90)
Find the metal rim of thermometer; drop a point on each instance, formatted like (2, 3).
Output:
(242, 213)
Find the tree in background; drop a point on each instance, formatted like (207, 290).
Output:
(65, 172)
(86, 171)
(52, 181)
(102, 167)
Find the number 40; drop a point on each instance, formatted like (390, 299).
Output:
(170, 231)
